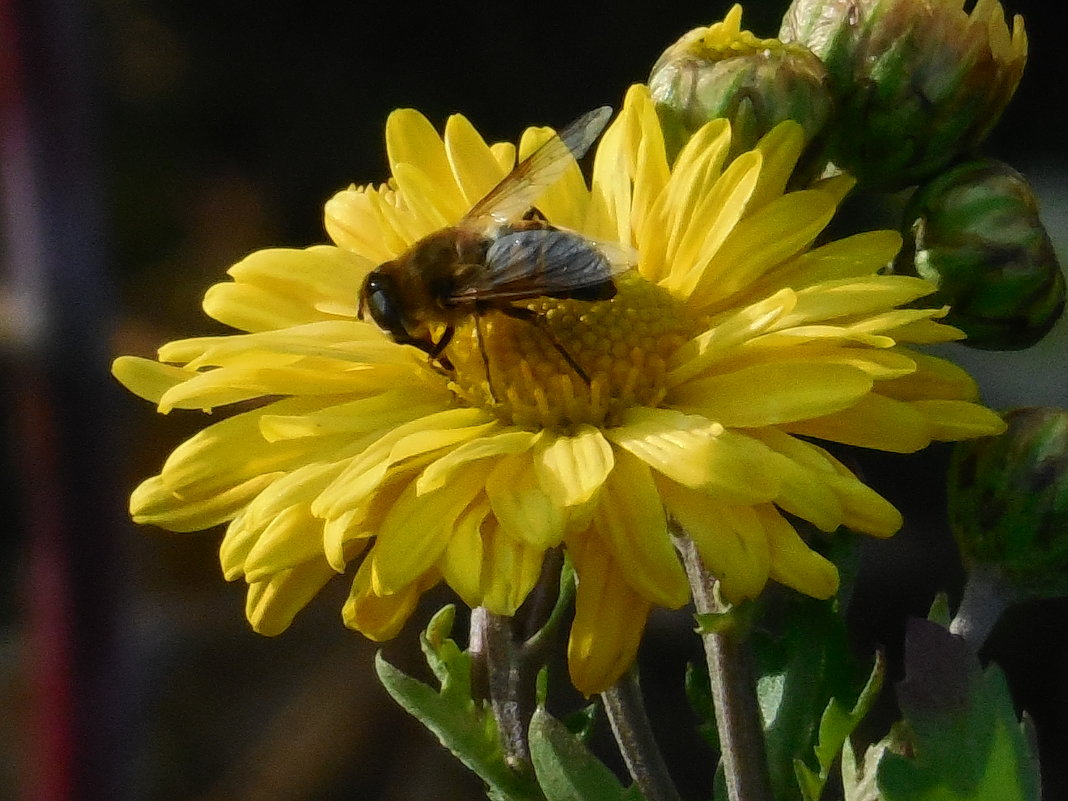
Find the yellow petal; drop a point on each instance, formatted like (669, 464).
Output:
(721, 338)
(952, 420)
(349, 341)
(417, 528)
(380, 617)
(730, 539)
(933, 378)
(699, 453)
(148, 378)
(863, 509)
(696, 171)
(253, 308)
(780, 148)
(525, 511)
(431, 207)
(609, 620)
(793, 563)
(266, 376)
(710, 225)
(439, 472)
(473, 164)
(418, 437)
(651, 172)
(380, 412)
(512, 568)
(461, 564)
(282, 287)
(154, 503)
(807, 480)
(855, 298)
(854, 256)
(293, 536)
(769, 394)
(630, 520)
(291, 490)
(873, 422)
(673, 443)
(232, 451)
(927, 332)
(271, 605)
(412, 140)
(345, 532)
(357, 220)
(572, 469)
(777, 232)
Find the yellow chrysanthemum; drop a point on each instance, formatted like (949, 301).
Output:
(732, 337)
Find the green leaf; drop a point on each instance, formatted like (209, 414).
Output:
(859, 778)
(714, 622)
(836, 724)
(699, 694)
(939, 612)
(565, 768)
(463, 725)
(734, 617)
(581, 721)
(807, 680)
(960, 728)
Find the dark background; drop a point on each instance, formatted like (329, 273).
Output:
(164, 141)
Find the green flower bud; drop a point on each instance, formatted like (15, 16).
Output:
(975, 232)
(723, 71)
(918, 82)
(1008, 503)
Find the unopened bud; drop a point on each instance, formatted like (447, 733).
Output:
(1008, 503)
(723, 71)
(975, 232)
(917, 82)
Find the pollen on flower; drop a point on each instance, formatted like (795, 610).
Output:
(622, 344)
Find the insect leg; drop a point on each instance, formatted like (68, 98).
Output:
(485, 358)
(535, 319)
(436, 350)
(431, 349)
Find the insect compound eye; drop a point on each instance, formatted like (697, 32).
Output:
(378, 296)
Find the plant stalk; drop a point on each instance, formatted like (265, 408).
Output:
(509, 689)
(630, 725)
(986, 596)
(738, 720)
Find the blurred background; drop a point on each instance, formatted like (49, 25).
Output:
(144, 147)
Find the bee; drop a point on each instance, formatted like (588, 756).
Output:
(503, 250)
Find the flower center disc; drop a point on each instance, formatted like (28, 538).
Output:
(622, 345)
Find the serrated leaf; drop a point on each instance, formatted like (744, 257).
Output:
(965, 740)
(809, 782)
(858, 778)
(800, 671)
(836, 724)
(566, 769)
(463, 725)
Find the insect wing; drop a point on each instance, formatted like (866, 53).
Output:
(518, 190)
(550, 262)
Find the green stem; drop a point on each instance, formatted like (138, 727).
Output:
(630, 725)
(986, 596)
(509, 687)
(738, 720)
